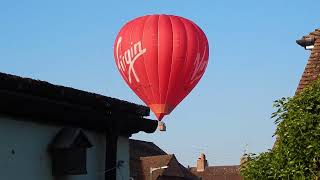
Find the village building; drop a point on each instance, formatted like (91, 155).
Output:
(149, 162)
(206, 172)
(51, 132)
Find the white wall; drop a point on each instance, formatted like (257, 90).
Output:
(24, 155)
(123, 155)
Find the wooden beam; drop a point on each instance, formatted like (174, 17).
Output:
(111, 157)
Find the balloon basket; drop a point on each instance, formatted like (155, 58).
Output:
(162, 126)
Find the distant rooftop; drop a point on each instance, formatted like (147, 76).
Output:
(145, 155)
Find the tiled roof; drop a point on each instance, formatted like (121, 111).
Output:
(157, 161)
(312, 69)
(145, 155)
(175, 169)
(219, 173)
(140, 148)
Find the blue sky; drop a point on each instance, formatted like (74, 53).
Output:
(254, 60)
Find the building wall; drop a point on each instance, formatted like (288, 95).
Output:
(123, 155)
(24, 152)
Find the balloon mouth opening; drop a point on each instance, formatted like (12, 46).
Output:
(159, 116)
(160, 110)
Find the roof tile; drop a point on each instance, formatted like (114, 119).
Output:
(312, 69)
(219, 173)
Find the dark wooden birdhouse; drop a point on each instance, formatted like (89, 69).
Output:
(69, 152)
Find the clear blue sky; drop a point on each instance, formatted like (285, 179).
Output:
(253, 61)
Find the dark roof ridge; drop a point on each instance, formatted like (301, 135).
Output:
(217, 166)
(316, 32)
(157, 156)
(40, 101)
(139, 140)
(59, 92)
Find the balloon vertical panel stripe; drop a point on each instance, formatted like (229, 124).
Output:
(150, 39)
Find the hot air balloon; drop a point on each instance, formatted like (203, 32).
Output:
(161, 58)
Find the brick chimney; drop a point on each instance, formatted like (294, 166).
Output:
(202, 163)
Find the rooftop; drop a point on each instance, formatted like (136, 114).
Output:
(43, 102)
(312, 69)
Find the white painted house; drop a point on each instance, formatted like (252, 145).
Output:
(50, 132)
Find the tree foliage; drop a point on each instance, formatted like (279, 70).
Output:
(296, 153)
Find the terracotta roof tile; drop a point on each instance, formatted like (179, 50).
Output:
(174, 170)
(144, 155)
(219, 173)
(312, 69)
(153, 162)
(137, 149)
(140, 148)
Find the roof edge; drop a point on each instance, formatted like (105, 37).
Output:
(45, 89)
(39, 101)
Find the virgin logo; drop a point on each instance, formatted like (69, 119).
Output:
(126, 60)
(199, 66)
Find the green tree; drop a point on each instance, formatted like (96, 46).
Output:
(296, 153)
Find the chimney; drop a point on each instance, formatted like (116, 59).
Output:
(202, 163)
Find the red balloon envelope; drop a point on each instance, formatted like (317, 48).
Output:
(161, 58)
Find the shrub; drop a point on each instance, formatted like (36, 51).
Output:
(296, 153)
